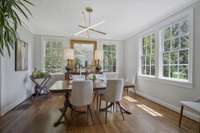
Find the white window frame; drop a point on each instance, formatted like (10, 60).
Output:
(111, 44)
(189, 16)
(141, 50)
(157, 29)
(43, 60)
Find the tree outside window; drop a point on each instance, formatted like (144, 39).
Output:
(109, 58)
(54, 61)
(148, 55)
(175, 50)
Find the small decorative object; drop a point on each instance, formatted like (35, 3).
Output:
(94, 77)
(98, 58)
(69, 56)
(21, 56)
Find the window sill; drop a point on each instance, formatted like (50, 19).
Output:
(172, 82)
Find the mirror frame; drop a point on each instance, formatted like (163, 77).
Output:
(72, 42)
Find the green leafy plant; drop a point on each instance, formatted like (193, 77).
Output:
(10, 20)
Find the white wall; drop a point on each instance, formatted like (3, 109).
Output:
(15, 85)
(166, 93)
(39, 46)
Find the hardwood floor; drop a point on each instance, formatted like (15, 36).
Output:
(38, 116)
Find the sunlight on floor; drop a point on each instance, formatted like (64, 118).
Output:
(130, 99)
(149, 110)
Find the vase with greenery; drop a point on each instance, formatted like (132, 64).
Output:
(10, 11)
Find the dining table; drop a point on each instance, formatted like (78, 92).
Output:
(65, 87)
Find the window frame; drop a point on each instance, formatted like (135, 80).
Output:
(115, 58)
(156, 28)
(44, 52)
(148, 33)
(185, 16)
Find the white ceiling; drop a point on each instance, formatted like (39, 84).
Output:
(123, 17)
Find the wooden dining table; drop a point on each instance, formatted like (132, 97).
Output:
(65, 87)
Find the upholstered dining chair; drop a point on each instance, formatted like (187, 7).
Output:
(133, 84)
(113, 94)
(82, 94)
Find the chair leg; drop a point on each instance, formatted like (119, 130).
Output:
(90, 111)
(97, 101)
(181, 115)
(127, 91)
(113, 107)
(134, 89)
(121, 111)
(100, 102)
(106, 112)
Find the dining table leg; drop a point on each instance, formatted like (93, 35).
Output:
(67, 105)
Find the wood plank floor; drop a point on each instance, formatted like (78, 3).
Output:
(38, 116)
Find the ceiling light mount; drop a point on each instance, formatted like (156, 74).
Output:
(87, 26)
(89, 9)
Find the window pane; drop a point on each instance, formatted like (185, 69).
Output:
(167, 33)
(166, 71)
(183, 71)
(152, 60)
(185, 27)
(184, 42)
(174, 71)
(143, 60)
(147, 70)
(147, 58)
(175, 30)
(174, 58)
(175, 44)
(166, 58)
(167, 45)
(143, 70)
(183, 57)
(152, 70)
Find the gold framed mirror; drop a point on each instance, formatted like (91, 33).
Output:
(84, 51)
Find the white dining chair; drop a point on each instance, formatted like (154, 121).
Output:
(113, 94)
(99, 78)
(82, 94)
(133, 84)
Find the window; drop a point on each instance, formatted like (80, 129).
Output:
(109, 58)
(175, 49)
(54, 61)
(148, 55)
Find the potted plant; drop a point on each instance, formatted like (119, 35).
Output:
(10, 20)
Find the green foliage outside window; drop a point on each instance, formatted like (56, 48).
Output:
(176, 41)
(148, 55)
(54, 61)
(109, 58)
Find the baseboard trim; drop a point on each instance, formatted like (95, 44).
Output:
(170, 106)
(13, 105)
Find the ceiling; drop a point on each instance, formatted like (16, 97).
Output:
(123, 18)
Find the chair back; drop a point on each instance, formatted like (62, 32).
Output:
(82, 93)
(114, 90)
